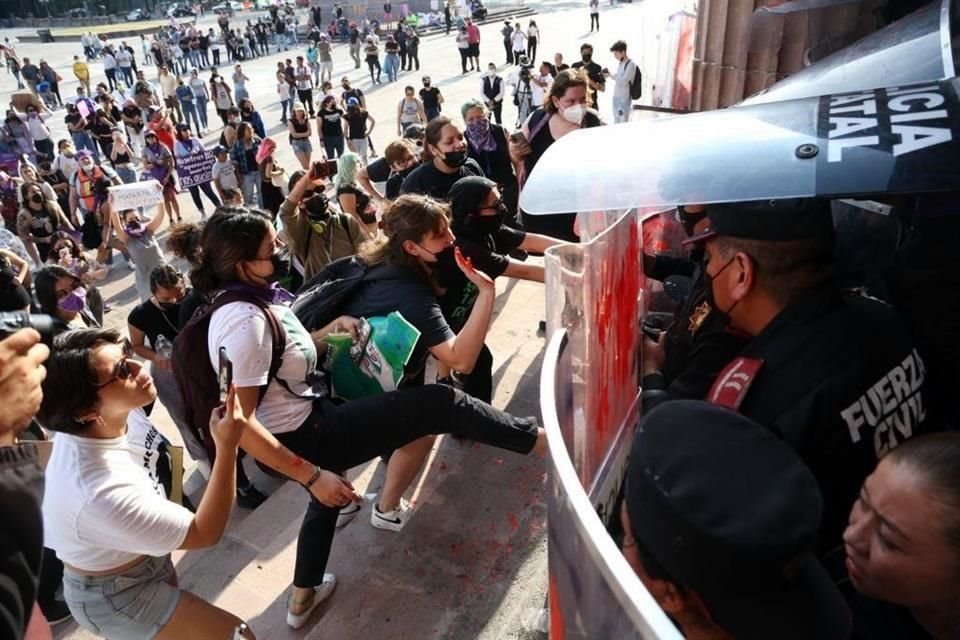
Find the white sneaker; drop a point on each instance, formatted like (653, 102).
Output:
(347, 514)
(131, 265)
(320, 593)
(391, 520)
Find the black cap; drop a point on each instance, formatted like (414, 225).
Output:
(183, 126)
(769, 220)
(730, 511)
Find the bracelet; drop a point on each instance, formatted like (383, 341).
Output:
(316, 475)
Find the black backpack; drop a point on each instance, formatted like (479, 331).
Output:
(196, 379)
(636, 84)
(321, 298)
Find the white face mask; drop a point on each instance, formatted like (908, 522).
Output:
(491, 72)
(574, 114)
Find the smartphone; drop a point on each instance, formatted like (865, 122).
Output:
(517, 137)
(225, 376)
(324, 169)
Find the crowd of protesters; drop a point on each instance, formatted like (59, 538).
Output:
(434, 221)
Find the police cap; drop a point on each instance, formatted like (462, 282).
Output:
(769, 220)
(729, 510)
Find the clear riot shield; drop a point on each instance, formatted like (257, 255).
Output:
(892, 140)
(596, 295)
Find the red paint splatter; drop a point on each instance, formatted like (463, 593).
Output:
(512, 521)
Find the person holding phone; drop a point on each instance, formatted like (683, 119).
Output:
(295, 428)
(109, 520)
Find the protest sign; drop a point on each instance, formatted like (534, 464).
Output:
(195, 169)
(137, 194)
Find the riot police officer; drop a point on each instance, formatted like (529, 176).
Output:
(684, 360)
(835, 375)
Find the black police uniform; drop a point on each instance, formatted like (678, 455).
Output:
(842, 383)
(835, 375)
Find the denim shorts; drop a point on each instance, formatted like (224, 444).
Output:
(301, 145)
(132, 605)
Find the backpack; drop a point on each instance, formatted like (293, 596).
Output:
(320, 299)
(636, 84)
(197, 382)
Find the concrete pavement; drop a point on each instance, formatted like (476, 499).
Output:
(472, 561)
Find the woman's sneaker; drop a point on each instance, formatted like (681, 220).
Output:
(347, 514)
(391, 520)
(320, 593)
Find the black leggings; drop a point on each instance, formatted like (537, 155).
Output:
(208, 191)
(373, 62)
(340, 436)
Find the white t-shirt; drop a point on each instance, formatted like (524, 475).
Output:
(102, 509)
(227, 173)
(537, 92)
(519, 41)
(242, 328)
(283, 88)
(109, 62)
(67, 165)
(124, 59)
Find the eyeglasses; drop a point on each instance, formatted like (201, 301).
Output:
(122, 370)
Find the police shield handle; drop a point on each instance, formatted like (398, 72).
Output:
(136, 195)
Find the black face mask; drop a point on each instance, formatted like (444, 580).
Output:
(167, 306)
(709, 295)
(37, 198)
(587, 57)
(317, 207)
(455, 159)
(281, 265)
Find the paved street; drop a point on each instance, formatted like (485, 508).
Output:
(472, 561)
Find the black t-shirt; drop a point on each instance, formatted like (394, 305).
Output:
(363, 200)
(430, 181)
(430, 97)
(842, 383)
(488, 253)
(394, 182)
(154, 321)
(356, 124)
(378, 170)
(399, 288)
(351, 93)
(331, 123)
(876, 620)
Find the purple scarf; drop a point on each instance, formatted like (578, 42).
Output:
(480, 135)
(274, 294)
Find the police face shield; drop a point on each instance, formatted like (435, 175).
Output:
(901, 139)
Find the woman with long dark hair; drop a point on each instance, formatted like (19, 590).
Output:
(294, 427)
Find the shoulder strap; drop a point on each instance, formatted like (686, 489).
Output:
(542, 121)
(277, 333)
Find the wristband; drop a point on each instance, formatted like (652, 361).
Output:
(316, 475)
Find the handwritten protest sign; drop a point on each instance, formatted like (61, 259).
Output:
(195, 169)
(137, 194)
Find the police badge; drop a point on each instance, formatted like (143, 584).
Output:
(698, 316)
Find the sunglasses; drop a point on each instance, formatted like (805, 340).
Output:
(122, 370)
